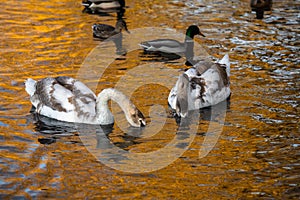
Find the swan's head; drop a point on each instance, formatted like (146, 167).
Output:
(136, 117)
(182, 96)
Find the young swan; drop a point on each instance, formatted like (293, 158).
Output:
(205, 84)
(67, 99)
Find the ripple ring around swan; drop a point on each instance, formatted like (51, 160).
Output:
(117, 158)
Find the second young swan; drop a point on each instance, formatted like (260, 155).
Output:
(205, 84)
(67, 99)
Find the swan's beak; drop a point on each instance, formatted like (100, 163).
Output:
(136, 118)
(180, 114)
(142, 122)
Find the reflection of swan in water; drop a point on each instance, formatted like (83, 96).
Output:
(259, 6)
(54, 130)
(67, 99)
(211, 113)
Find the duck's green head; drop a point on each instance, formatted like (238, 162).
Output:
(193, 30)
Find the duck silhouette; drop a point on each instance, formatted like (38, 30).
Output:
(259, 6)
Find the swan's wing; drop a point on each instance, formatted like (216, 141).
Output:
(30, 86)
(215, 85)
(83, 99)
(53, 95)
(225, 61)
(209, 84)
(65, 99)
(215, 72)
(202, 66)
(77, 87)
(224, 77)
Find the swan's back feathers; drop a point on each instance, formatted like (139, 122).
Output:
(225, 61)
(202, 66)
(53, 95)
(30, 86)
(78, 88)
(208, 85)
(63, 98)
(82, 97)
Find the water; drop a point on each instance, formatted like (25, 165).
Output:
(256, 155)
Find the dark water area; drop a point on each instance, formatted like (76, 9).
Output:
(256, 155)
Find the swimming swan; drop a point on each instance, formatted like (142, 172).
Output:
(67, 99)
(203, 85)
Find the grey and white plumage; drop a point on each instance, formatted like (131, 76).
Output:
(205, 84)
(67, 99)
(164, 45)
(173, 46)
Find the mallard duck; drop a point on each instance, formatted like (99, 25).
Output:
(104, 31)
(103, 4)
(173, 46)
(259, 6)
(205, 84)
(67, 99)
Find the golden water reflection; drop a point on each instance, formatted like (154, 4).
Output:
(257, 154)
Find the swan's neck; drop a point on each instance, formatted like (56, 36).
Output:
(183, 100)
(104, 115)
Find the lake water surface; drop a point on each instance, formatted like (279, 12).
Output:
(255, 153)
